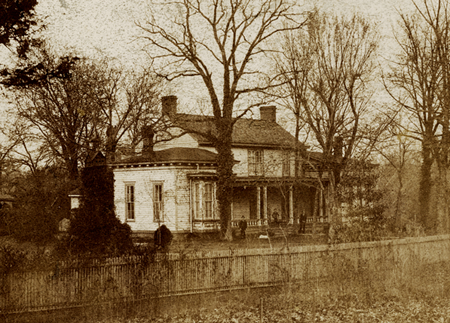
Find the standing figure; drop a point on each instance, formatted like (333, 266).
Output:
(302, 223)
(243, 227)
(275, 216)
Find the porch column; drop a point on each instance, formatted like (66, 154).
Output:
(258, 205)
(321, 213)
(291, 205)
(265, 205)
(232, 215)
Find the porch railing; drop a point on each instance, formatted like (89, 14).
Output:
(259, 222)
(250, 223)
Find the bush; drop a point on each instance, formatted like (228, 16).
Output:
(95, 228)
(357, 230)
(40, 203)
(163, 237)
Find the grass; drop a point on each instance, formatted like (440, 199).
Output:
(248, 243)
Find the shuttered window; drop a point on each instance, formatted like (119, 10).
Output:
(255, 163)
(129, 202)
(158, 203)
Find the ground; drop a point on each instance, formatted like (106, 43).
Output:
(198, 243)
(423, 297)
(388, 311)
(248, 243)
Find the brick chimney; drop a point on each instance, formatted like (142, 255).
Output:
(169, 105)
(338, 146)
(147, 139)
(268, 113)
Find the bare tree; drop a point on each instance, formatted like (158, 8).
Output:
(6, 149)
(419, 84)
(327, 69)
(218, 41)
(126, 101)
(28, 152)
(294, 64)
(92, 104)
(60, 110)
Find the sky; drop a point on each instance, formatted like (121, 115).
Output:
(108, 27)
(96, 28)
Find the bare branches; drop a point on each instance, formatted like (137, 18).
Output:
(327, 68)
(218, 41)
(222, 35)
(420, 79)
(94, 103)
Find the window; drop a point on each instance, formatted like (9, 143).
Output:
(208, 200)
(129, 202)
(158, 206)
(255, 162)
(197, 200)
(287, 163)
(203, 204)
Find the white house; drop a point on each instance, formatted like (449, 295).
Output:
(174, 182)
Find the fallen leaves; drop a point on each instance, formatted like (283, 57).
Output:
(391, 311)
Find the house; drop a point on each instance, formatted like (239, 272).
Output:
(173, 181)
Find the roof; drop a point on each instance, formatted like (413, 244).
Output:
(189, 155)
(246, 132)
(75, 192)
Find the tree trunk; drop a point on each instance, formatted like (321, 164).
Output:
(332, 216)
(425, 190)
(398, 204)
(225, 185)
(442, 201)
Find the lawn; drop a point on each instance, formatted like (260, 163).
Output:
(253, 242)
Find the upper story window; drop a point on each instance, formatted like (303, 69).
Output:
(255, 162)
(158, 202)
(129, 202)
(286, 163)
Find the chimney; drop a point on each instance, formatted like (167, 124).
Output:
(169, 105)
(338, 146)
(147, 139)
(268, 113)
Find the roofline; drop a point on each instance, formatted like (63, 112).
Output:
(243, 145)
(162, 163)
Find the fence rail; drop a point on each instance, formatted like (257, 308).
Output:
(137, 278)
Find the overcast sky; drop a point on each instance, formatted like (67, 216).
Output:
(107, 27)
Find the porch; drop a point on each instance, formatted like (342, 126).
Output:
(266, 204)
(254, 227)
(274, 202)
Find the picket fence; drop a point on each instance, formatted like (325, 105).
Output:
(138, 278)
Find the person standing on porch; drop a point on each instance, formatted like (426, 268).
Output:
(302, 223)
(275, 216)
(243, 227)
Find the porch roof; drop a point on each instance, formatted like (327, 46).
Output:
(255, 181)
